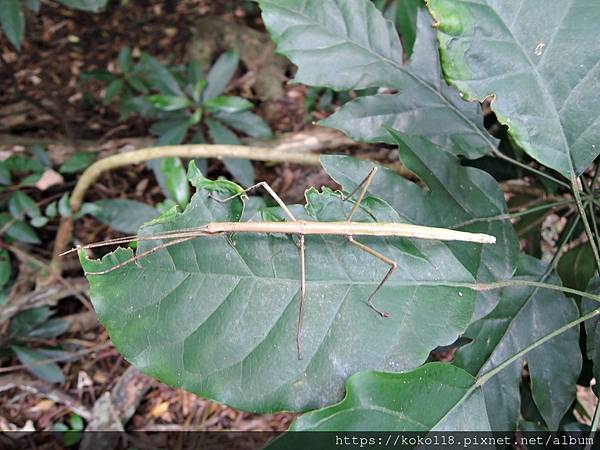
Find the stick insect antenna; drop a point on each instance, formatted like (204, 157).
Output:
(184, 232)
(142, 255)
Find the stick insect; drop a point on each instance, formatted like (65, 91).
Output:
(301, 228)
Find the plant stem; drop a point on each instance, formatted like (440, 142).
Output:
(586, 223)
(497, 153)
(91, 174)
(481, 287)
(487, 376)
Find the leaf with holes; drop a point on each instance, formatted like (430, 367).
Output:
(363, 50)
(539, 63)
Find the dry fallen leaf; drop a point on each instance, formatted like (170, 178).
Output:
(159, 409)
(49, 178)
(43, 405)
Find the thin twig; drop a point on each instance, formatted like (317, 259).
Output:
(91, 174)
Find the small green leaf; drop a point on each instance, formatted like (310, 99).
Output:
(23, 164)
(76, 422)
(174, 135)
(113, 89)
(125, 59)
(220, 74)
(125, 216)
(228, 104)
(21, 205)
(195, 74)
(577, 267)
(195, 118)
(138, 84)
(41, 155)
(169, 102)
(160, 77)
(406, 22)
(5, 267)
(50, 328)
(64, 206)
(241, 169)
(31, 180)
(5, 178)
(51, 210)
(78, 162)
(49, 372)
(12, 20)
(19, 230)
(25, 321)
(246, 122)
(85, 5)
(172, 178)
(33, 5)
(39, 222)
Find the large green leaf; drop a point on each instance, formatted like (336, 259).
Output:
(217, 315)
(435, 397)
(458, 197)
(361, 49)
(523, 316)
(540, 61)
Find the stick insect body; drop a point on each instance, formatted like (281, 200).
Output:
(301, 228)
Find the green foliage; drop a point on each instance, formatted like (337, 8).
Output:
(186, 106)
(36, 323)
(434, 397)
(576, 267)
(72, 432)
(78, 162)
(518, 320)
(12, 21)
(125, 216)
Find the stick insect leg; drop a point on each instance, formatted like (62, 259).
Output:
(302, 296)
(136, 258)
(289, 213)
(393, 266)
(364, 186)
(267, 188)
